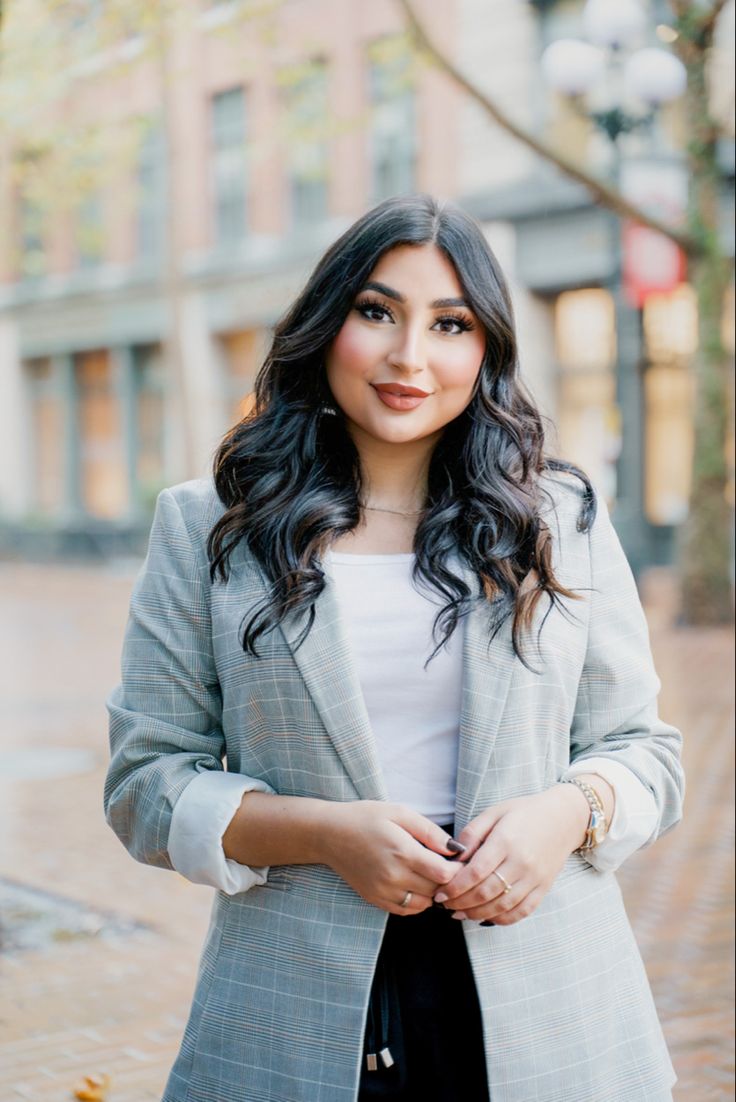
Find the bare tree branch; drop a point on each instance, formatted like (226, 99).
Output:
(600, 191)
(715, 11)
(706, 18)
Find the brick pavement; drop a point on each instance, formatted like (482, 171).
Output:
(94, 999)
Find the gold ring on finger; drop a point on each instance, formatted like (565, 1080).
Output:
(506, 886)
(406, 900)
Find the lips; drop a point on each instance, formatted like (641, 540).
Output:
(400, 390)
(399, 397)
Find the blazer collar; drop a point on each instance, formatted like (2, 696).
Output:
(325, 662)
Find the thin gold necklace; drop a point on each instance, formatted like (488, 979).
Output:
(396, 512)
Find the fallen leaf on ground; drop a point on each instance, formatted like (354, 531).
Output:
(93, 1088)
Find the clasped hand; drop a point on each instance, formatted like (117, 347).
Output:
(515, 850)
(385, 851)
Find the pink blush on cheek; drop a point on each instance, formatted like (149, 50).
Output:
(349, 349)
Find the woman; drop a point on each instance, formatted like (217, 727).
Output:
(419, 644)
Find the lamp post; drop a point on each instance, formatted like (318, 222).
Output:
(619, 85)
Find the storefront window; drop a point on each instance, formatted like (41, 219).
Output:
(102, 468)
(669, 394)
(671, 326)
(670, 323)
(148, 433)
(587, 420)
(243, 355)
(47, 434)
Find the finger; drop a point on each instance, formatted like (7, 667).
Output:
(475, 833)
(419, 885)
(428, 833)
(414, 868)
(434, 871)
(525, 907)
(415, 905)
(499, 886)
(502, 905)
(474, 872)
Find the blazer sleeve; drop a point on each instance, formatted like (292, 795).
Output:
(165, 715)
(616, 713)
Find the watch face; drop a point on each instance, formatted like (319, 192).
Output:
(598, 828)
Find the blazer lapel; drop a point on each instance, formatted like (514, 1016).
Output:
(487, 671)
(325, 662)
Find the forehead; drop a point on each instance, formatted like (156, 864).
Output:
(417, 266)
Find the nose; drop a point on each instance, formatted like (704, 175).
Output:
(409, 352)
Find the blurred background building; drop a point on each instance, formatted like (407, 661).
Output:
(187, 173)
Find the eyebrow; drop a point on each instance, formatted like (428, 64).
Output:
(389, 292)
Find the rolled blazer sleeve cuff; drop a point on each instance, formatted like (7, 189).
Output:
(200, 818)
(635, 814)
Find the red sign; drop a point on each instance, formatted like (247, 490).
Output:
(651, 263)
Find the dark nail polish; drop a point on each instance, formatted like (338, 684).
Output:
(456, 847)
(488, 922)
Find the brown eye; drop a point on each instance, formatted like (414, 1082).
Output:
(462, 324)
(368, 308)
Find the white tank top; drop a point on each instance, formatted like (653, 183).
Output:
(414, 713)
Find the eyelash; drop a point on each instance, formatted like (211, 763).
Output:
(374, 304)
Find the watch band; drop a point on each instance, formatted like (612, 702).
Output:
(597, 824)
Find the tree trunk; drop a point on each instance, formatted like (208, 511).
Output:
(706, 536)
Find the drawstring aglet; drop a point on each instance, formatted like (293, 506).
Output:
(386, 1057)
(371, 1061)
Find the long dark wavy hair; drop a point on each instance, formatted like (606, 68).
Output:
(289, 473)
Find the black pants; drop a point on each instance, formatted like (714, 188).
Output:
(424, 1010)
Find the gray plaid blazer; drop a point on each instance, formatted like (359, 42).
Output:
(279, 1010)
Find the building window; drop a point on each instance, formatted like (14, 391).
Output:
(149, 424)
(101, 452)
(47, 436)
(670, 322)
(151, 170)
(32, 202)
(306, 108)
(228, 165)
(393, 118)
(669, 396)
(89, 232)
(587, 421)
(32, 246)
(243, 354)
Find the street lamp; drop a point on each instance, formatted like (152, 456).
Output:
(617, 82)
(624, 90)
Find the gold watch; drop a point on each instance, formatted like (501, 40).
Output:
(597, 828)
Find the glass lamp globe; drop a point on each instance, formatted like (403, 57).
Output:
(613, 23)
(572, 67)
(655, 76)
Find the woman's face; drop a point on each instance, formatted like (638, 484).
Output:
(408, 327)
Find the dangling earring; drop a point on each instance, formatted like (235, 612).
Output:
(327, 408)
